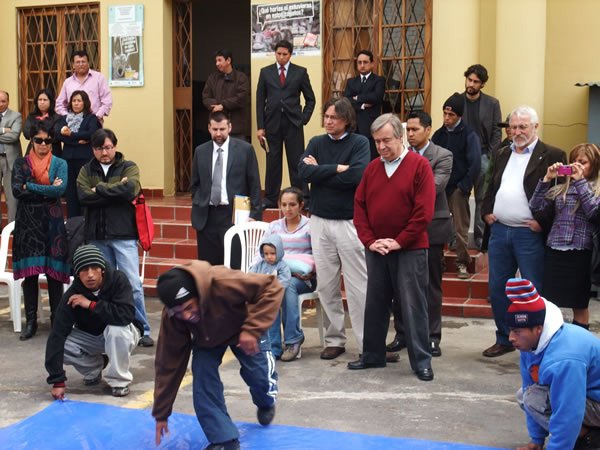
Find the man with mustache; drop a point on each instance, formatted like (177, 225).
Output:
(516, 237)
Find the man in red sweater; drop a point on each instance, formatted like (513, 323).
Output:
(393, 205)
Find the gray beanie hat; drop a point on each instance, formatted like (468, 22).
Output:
(88, 255)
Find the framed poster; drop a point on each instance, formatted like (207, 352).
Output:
(126, 55)
(297, 22)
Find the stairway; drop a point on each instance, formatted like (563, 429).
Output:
(175, 243)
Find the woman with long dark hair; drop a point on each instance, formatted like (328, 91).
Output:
(75, 132)
(43, 111)
(568, 255)
(39, 244)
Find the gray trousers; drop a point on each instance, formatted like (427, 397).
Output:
(401, 276)
(535, 401)
(11, 201)
(84, 352)
(336, 247)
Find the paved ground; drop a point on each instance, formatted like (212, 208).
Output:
(471, 399)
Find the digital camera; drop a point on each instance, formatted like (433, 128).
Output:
(565, 170)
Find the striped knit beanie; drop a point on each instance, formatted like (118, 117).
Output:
(88, 255)
(527, 308)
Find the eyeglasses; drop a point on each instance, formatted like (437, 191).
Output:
(105, 148)
(521, 127)
(39, 140)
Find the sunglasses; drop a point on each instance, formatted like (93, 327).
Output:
(39, 140)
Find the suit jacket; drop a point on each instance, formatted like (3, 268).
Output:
(241, 174)
(372, 92)
(9, 141)
(543, 156)
(273, 100)
(489, 117)
(233, 92)
(440, 160)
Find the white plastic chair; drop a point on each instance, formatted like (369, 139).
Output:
(14, 286)
(250, 235)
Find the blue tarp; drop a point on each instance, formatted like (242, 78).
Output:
(74, 425)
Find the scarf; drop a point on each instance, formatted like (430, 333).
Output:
(40, 167)
(74, 121)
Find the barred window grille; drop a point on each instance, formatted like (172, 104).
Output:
(47, 37)
(398, 32)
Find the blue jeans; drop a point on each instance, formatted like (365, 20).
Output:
(292, 331)
(512, 248)
(257, 371)
(123, 255)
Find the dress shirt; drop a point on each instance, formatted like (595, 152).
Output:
(94, 85)
(421, 151)
(391, 166)
(225, 147)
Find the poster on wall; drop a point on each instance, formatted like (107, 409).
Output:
(297, 22)
(126, 62)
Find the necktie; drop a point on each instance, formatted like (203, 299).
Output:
(282, 75)
(364, 79)
(215, 190)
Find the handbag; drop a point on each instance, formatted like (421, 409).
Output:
(144, 222)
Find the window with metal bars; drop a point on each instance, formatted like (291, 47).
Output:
(47, 38)
(398, 32)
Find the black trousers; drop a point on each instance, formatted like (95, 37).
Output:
(73, 168)
(211, 242)
(435, 262)
(293, 138)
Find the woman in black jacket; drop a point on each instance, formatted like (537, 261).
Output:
(43, 111)
(75, 131)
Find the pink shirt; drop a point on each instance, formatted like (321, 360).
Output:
(94, 85)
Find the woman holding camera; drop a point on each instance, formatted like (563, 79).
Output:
(567, 277)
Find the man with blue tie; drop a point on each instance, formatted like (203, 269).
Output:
(280, 118)
(222, 168)
(365, 92)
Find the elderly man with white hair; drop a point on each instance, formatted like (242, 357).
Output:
(516, 235)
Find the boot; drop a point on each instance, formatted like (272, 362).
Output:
(30, 295)
(30, 330)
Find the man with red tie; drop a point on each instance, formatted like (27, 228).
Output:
(280, 118)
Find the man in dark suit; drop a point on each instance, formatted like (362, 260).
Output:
(516, 235)
(10, 150)
(418, 128)
(482, 114)
(222, 168)
(280, 118)
(366, 92)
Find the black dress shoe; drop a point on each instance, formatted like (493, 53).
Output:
(395, 346)
(360, 364)
(392, 357)
(425, 374)
(29, 331)
(234, 444)
(435, 349)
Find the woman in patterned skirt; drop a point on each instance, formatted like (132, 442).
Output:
(39, 243)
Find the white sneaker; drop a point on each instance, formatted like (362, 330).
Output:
(461, 271)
